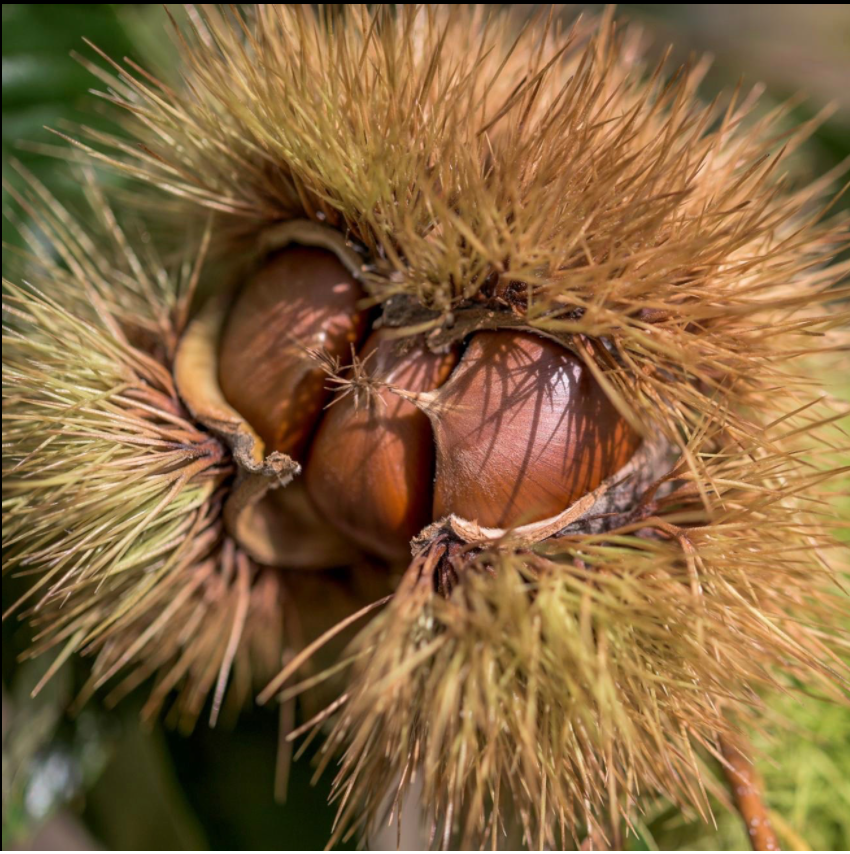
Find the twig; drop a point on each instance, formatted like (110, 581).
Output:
(746, 788)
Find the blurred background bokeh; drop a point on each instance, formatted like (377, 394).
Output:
(99, 779)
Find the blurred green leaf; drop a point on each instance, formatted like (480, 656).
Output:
(137, 802)
(48, 761)
(45, 87)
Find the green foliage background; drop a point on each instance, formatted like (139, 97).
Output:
(101, 780)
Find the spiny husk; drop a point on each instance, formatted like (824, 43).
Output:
(111, 494)
(468, 155)
(568, 681)
(492, 172)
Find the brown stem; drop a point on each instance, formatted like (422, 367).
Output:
(746, 787)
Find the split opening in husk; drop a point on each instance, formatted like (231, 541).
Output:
(276, 521)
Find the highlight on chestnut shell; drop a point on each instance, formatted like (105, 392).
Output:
(301, 298)
(522, 430)
(370, 467)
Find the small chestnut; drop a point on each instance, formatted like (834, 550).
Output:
(371, 463)
(284, 529)
(301, 298)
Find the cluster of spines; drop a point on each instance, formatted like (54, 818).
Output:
(111, 494)
(621, 209)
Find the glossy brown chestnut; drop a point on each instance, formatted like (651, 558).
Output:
(370, 466)
(285, 529)
(522, 430)
(302, 298)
